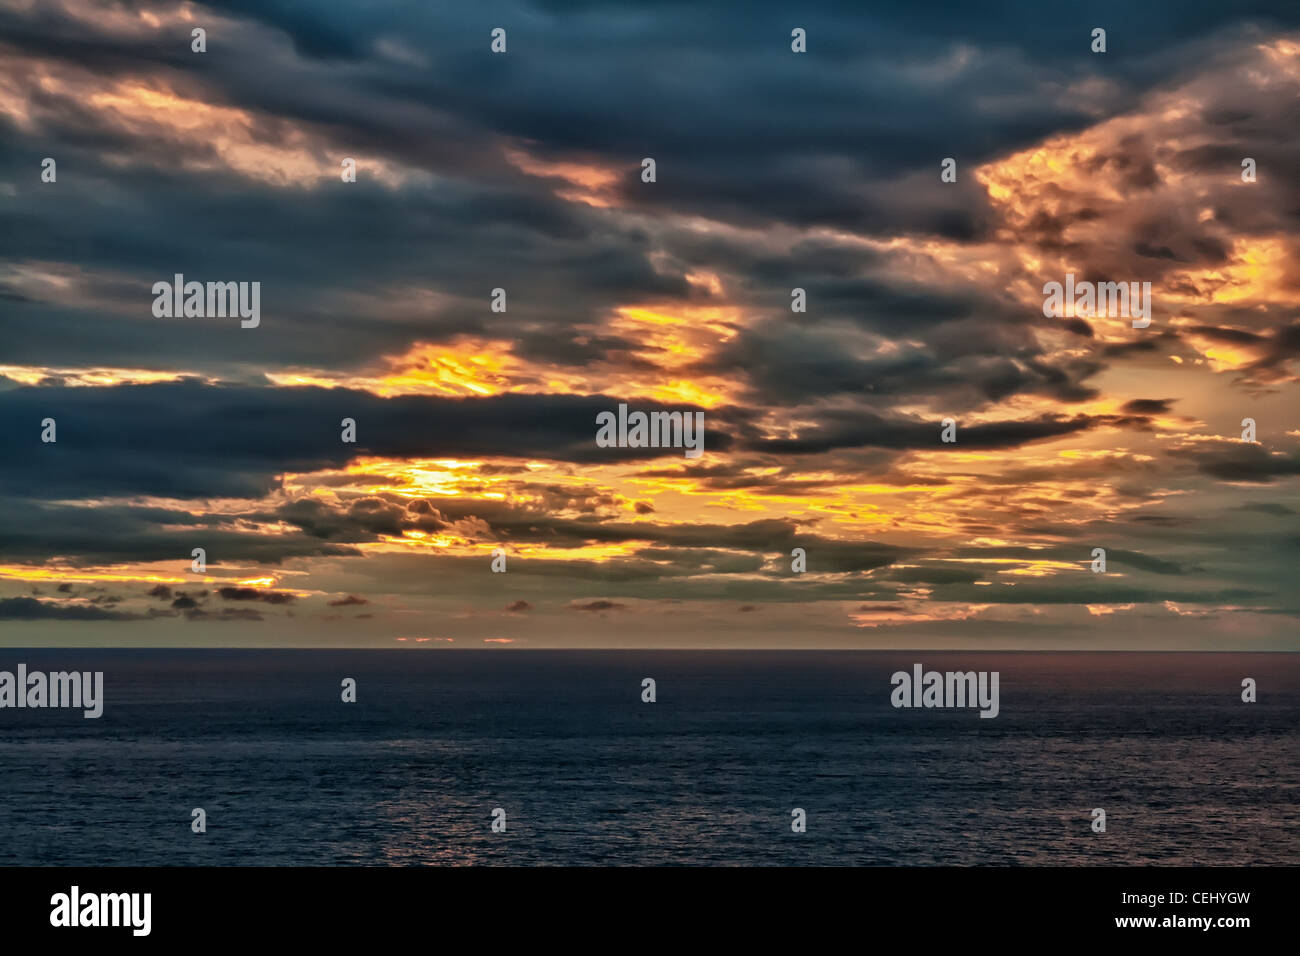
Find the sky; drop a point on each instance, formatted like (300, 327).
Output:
(775, 170)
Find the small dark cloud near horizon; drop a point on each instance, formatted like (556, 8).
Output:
(256, 594)
(1244, 462)
(30, 609)
(598, 605)
(1149, 406)
(224, 615)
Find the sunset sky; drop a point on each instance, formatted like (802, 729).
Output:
(775, 170)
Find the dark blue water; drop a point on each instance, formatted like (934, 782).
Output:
(587, 773)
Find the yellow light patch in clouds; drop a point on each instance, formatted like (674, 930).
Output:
(22, 573)
(476, 369)
(88, 377)
(672, 342)
(1256, 271)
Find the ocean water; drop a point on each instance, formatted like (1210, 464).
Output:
(589, 774)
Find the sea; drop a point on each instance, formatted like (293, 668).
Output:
(561, 749)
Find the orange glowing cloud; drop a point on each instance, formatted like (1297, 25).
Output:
(198, 135)
(588, 183)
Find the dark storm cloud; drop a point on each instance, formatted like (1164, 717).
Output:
(851, 430)
(361, 519)
(937, 574)
(316, 274)
(880, 88)
(600, 605)
(37, 531)
(325, 32)
(256, 594)
(192, 441)
(30, 609)
(1149, 406)
(820, 138)
(964, 364)
(1246, 462)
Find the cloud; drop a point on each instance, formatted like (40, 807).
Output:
(475, 429)
(226, 614)
(1244, 462)
(1149, 406)
(235, 441)
(30, 609)
(256, 594)
(599, 605)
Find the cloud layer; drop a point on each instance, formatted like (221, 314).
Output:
(776, 171)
